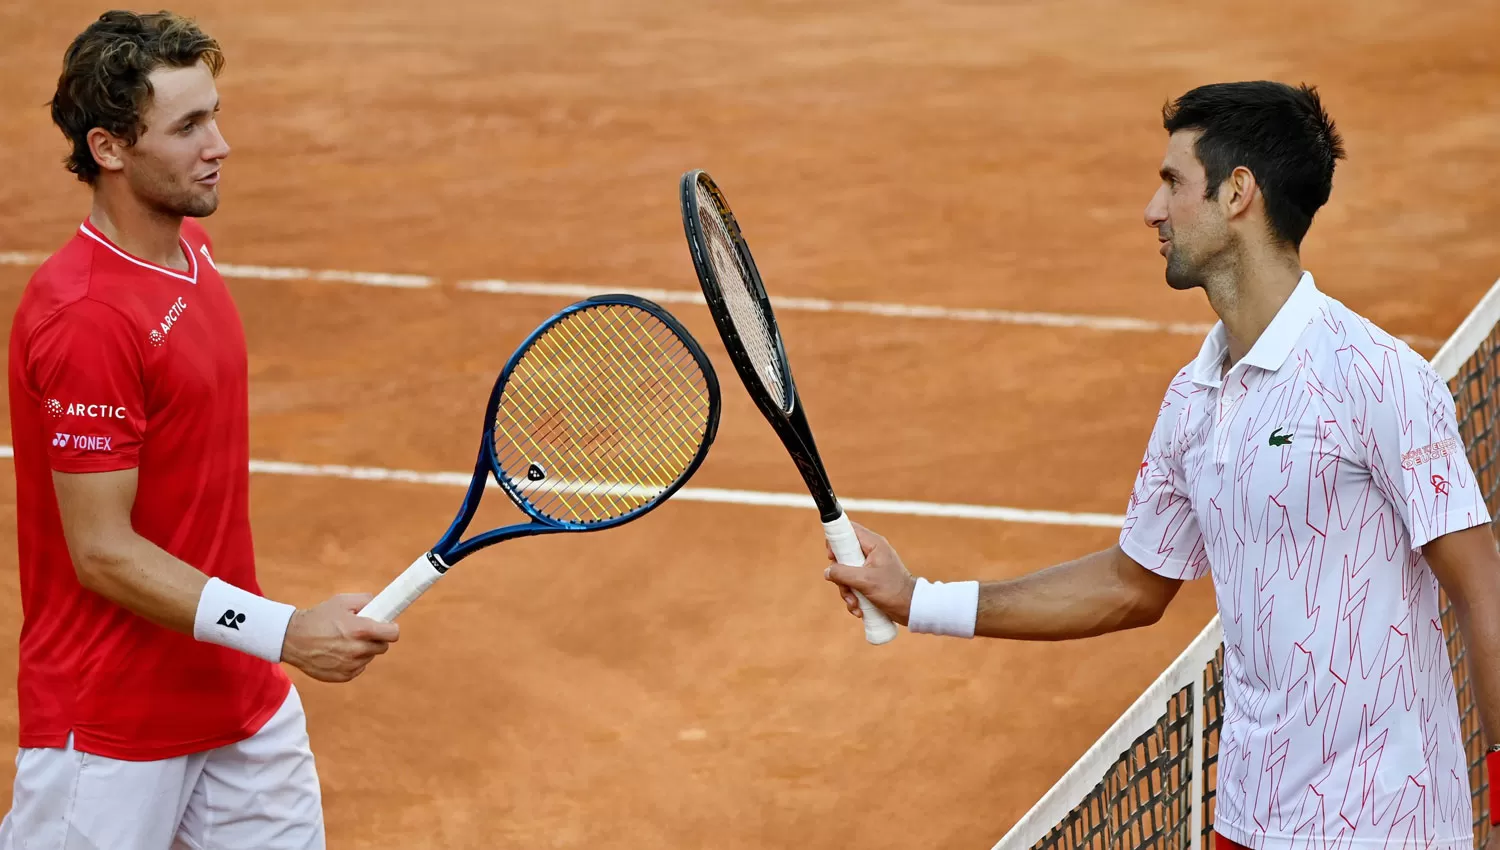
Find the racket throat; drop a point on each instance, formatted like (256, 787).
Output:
(437, 563)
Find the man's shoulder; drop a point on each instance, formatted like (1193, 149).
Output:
(1181, 391)
(1181, 410)
(1352, 351)
(70, 285)
(62, 280)
(66, 270)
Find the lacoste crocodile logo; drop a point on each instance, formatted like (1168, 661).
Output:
(1280, 439)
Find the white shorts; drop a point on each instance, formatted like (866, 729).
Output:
(260, 793)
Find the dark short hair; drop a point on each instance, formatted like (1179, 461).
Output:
(1281, 133)
(104, 81)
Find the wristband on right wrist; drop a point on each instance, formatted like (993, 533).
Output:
(238, 619)
(944, 608)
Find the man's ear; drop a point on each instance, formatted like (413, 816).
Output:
(1239, 192)
(107, 148)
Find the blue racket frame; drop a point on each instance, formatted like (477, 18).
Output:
(451, 550)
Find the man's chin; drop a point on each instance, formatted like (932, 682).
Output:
(199, 204)
(200, 208)
(1180, 280)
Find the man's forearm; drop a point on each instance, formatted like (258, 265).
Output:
(141, 577)
(1467, 565)
(1481, 633)
(112, 560)
(1096, 594)
(136, 574)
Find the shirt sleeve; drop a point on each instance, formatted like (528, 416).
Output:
(1161, 532)
(87, 367)
(1406, 431)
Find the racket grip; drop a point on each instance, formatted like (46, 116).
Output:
(846, 550)
(389, 603)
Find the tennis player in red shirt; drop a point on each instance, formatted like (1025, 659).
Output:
(153, 710)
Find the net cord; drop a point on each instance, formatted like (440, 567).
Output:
(1471, 332)
(1143, 714)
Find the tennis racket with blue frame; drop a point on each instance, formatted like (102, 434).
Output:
(600, 415)
(741, 309)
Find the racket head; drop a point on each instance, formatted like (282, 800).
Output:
(600, 415)
(735, 294)
(742, 312)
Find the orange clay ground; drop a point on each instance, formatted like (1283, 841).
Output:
(690, 681)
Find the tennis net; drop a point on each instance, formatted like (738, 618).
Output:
(1149, 781)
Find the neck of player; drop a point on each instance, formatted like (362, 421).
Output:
(1250, 292)
(139, 230)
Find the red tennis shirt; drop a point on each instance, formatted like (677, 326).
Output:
(117, 363)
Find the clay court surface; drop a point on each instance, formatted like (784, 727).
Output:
(690, 681)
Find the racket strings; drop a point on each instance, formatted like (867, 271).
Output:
(598, 494)
(652, 387)
(551, 494)
(602, 415)
(662, 385)
(600, 402)
(744, 308)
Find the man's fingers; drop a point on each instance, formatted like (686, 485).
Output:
(850, 577)
(371, 648)
(352, 602)
(868, 539)
(851, 601)
(374, 630)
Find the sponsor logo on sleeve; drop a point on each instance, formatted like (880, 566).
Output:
(203, 249)
(1429, 453)
(87, 411)
(82, 442)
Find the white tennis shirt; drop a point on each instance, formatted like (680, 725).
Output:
(1306, 481)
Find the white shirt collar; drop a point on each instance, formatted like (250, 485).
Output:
(1275, 344)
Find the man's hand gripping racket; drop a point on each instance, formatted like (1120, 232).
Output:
(742, 311)
(601, 415)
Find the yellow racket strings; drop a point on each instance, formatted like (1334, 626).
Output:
(605, 411)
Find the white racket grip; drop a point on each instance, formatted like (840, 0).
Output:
(845, 545)
(402, 592)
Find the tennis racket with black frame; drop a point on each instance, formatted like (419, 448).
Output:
(601, 414)
(742, 311)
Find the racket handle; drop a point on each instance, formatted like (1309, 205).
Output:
(845, 545)
(389, 603)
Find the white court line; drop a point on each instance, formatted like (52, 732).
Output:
(874, 308)
(688, 296)
(712, 494)
(403, 281)
(703, 494)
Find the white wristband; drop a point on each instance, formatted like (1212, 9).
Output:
(939, 608)
(238, 619)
